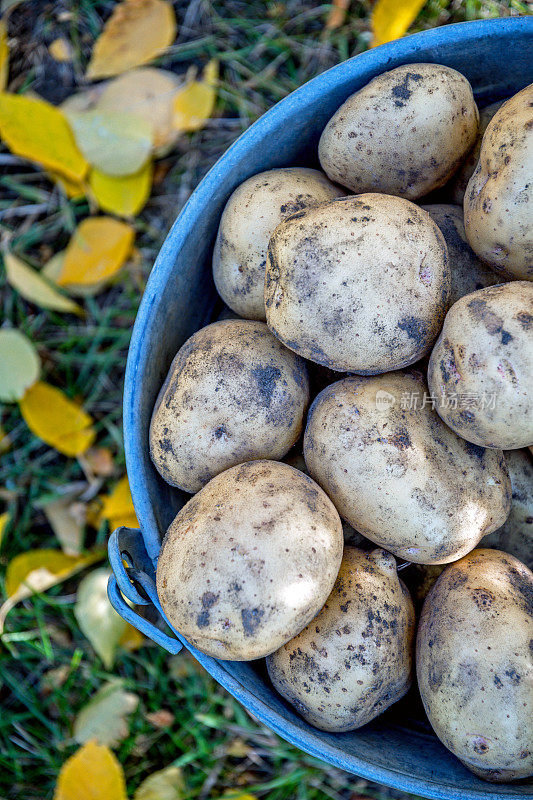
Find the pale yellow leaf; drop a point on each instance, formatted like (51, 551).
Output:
(39, 570)
(122, 196)
(86, 100)
(38, 131)
(149, 93)
(104, 718)
(166, 784)
(33, 287)
(194, 104)
(131, 639)
(56, 419)
(73, 189)
(92, 773)
(19, 365)
(4, 55)
(113, 142)
(97, 250)
(66, 525)
(97, 618)
(60, 50)
(53, 269)
(136, 32)
(117, 508)
(4, 522)
(392, 18)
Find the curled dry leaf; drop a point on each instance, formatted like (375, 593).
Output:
(97, 461)
(35, 288)
(124, 196)
(56, 419)
(149, 93)
(38, 131)
(20, 365)
(194, 104)
(66, 523)
(116, 143)
(92, 773)
(392, 18)
(117, 507)
(4, 55)
(166, 784)
(39, 570)
(105, 717)
(97, 250)
(97, 618)
(136, 32)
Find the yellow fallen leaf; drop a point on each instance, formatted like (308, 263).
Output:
(166, 784)
(136, 32)
(117, 507)
(97, 250)
(4, 522)
(19, 365)
(39, 570)
(83, 101)
(92, 773)
(131, 639)
(4, 55)
(149, 93)
(38, 131)
(97, 618)
(60, 50)
(392, 18)
(194, 104)
(55, 419)
(73, 189)
(124, 196)
(104, 718)
(113, 142)
(53, 269)
(33, 287)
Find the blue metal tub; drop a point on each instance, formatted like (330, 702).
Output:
(397, 749)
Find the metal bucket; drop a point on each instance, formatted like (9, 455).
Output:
(397, 749)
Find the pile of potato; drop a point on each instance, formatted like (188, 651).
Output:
(337, 295)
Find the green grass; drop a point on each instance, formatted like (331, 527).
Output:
(266, 50)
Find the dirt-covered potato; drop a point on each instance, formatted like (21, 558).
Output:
(398, 474)
(404, 133)
(516, 534)
(233, 393)
(498, 202)
(359, 284)
(467, 272)
(482, 366)
(249, 560)
(249, 218)
(474, 666)
(354, 660)
(455, 189)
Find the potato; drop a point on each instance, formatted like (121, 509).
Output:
(456, 188)
(516, 534)
(404, 133)
(233, 394)
(359, 284)
(467, 272)
(249, 218)
(249, 560)
(398, 474)
(498, 203)
(474, 665)
(354, 660)
(482, 366)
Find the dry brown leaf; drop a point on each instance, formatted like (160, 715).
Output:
(160, 719)
(98, 461)
(66, 525)
(136, 32)
(38, 131)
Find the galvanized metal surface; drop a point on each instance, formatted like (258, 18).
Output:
(397, 749)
